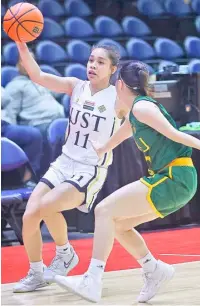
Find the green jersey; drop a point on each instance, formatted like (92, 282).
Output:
(158, 150)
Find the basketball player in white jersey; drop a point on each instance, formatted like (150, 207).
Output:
(76, 177)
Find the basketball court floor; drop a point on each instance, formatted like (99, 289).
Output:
(120, 288)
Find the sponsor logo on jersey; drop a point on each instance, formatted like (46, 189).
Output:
(89, 105)
(102, 108)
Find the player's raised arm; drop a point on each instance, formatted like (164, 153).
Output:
(50, 81)
(151, 115)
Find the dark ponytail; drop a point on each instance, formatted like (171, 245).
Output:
(135, 75)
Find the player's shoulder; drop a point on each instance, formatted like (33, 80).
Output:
(79, 84)
(112, 89)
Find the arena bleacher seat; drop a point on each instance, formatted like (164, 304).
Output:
(66, 104)
(177, 8)
(192, 46)
(78, 28)
(56, 135)
(77, 8)
(49, 69)
(10, 53)
(78, 51)
(194, 66)
(51, 8)
(76, 70)
(52, 29)
(107, 27)
(109, 41)
(151, 8)
(139, 49)
(7, 74)
(196, 6)
(134, 26)
(50, 52)
(13, 157)
(167, 49)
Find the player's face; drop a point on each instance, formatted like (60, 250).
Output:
(99, 67)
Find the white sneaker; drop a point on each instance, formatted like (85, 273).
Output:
(85, 286)
(153, 281)
(34, 280)
(61, 265)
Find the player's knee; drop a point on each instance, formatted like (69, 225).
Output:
(31, 213)
(101, 211)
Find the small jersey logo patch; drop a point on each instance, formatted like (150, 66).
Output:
(102, 108)
(89, 105)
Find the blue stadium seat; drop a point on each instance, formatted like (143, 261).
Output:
(13, 157)
(13, 2)
(135, 27)
(167, 49)
(7, 74)
(177, 7)
(50, 52)
(151, 8)
(139, 49)
(196, 6)
(164, 64)
(78, 50)
(76, 70)
(66, 104)
(52, 29)
(52, 9)
(108, 41)
(77, 8)
(49, 69)
(3, 10)
(107, 27)
(194, 66)
(56, 130)
(10, 53)
(192, 46)
(56, 136)
(197, 24)
(78, 28)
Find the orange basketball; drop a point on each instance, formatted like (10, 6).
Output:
(23, 22)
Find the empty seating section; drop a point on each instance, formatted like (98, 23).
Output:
(50, 52)
(76, 70)
(167, 49)
(107, 27)
(72, 27)
(78, 27)
(139, 49)
(52, 29)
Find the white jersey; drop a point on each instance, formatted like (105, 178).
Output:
(92, 118)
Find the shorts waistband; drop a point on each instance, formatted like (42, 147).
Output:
(181, 161)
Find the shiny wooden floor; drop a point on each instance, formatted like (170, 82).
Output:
(120, 288)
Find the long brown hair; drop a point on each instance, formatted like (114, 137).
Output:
(135, 75)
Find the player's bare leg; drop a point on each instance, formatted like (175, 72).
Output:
(127, 201)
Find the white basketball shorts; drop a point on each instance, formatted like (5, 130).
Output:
(86, 178)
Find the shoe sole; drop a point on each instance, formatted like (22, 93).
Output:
(25, 291)
(164, 282)
(66, 288)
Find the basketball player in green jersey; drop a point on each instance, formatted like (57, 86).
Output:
(171, 184)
